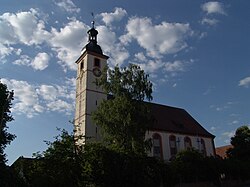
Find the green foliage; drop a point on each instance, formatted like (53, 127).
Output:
(241, 144)
(124, 119)
(95, 165)
(6, 97)
(56, 166)
(107, 167)
(192, 166)
(130, 82)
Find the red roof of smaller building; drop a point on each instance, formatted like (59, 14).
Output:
(222, 151)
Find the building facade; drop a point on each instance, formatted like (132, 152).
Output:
(173, 129)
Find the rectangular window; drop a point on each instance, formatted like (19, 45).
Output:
(97, 62)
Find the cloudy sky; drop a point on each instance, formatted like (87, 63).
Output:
(197, 54)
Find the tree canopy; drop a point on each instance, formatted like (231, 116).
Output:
(241, 144)
(125, 118)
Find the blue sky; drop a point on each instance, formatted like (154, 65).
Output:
(196, 53)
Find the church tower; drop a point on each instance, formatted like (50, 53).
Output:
(90, 66)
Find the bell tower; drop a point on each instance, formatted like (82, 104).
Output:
(90, 66)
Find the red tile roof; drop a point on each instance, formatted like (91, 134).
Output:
(176, 120)
(222, 151)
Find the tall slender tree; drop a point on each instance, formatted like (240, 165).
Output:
(6, 98)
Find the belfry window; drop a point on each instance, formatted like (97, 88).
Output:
(97, 62)
(157, 146)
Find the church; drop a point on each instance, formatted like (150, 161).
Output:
(174, 129)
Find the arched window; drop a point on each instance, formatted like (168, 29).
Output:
(157, 146)
(203, 147)
(172, 145)
(187, 143)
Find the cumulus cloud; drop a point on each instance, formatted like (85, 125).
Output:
(67, 5)
(209, 21)
(175, 66)
(40, 62)
(151, 66)
(111, 46)
(22, 27)
(32, 100)
(245, 82)
(117, 15)
(5, 51)
(68, 41)
(165, 38)
(23, 60)
(26, 98)
(213, 7)
(228, 135)
(140, 57)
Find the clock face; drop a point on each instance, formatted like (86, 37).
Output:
(97, 72)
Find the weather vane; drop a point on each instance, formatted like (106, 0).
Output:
(93, 22)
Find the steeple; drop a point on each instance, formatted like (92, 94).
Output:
(93, 33)
(92, 43)
(90, 66)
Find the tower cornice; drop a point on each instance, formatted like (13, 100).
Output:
(91, 53)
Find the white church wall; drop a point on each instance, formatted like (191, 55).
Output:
(180, 146)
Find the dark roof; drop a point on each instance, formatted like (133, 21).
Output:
(93, 47)
(176, 120)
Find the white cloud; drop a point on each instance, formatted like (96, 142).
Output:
(111, 46)
(175, 66)
(47, 92)
(235, 122)
(209, 21)
(23, 60)
(67, 5)
(26, 98)
(213, 128)
(245, 82)
(140, 57)
(32, 100)
(213, 7)
(5, 50)
(41, 61)
(165, 38)
(228, 135)
(151, 66)
(23, 27)
(68, 41)
(60, 106)
(117, 15)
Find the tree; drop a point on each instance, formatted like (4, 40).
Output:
(241, 144)
(192, 166)
(125, 118)
(59, 165)
(6, 98)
